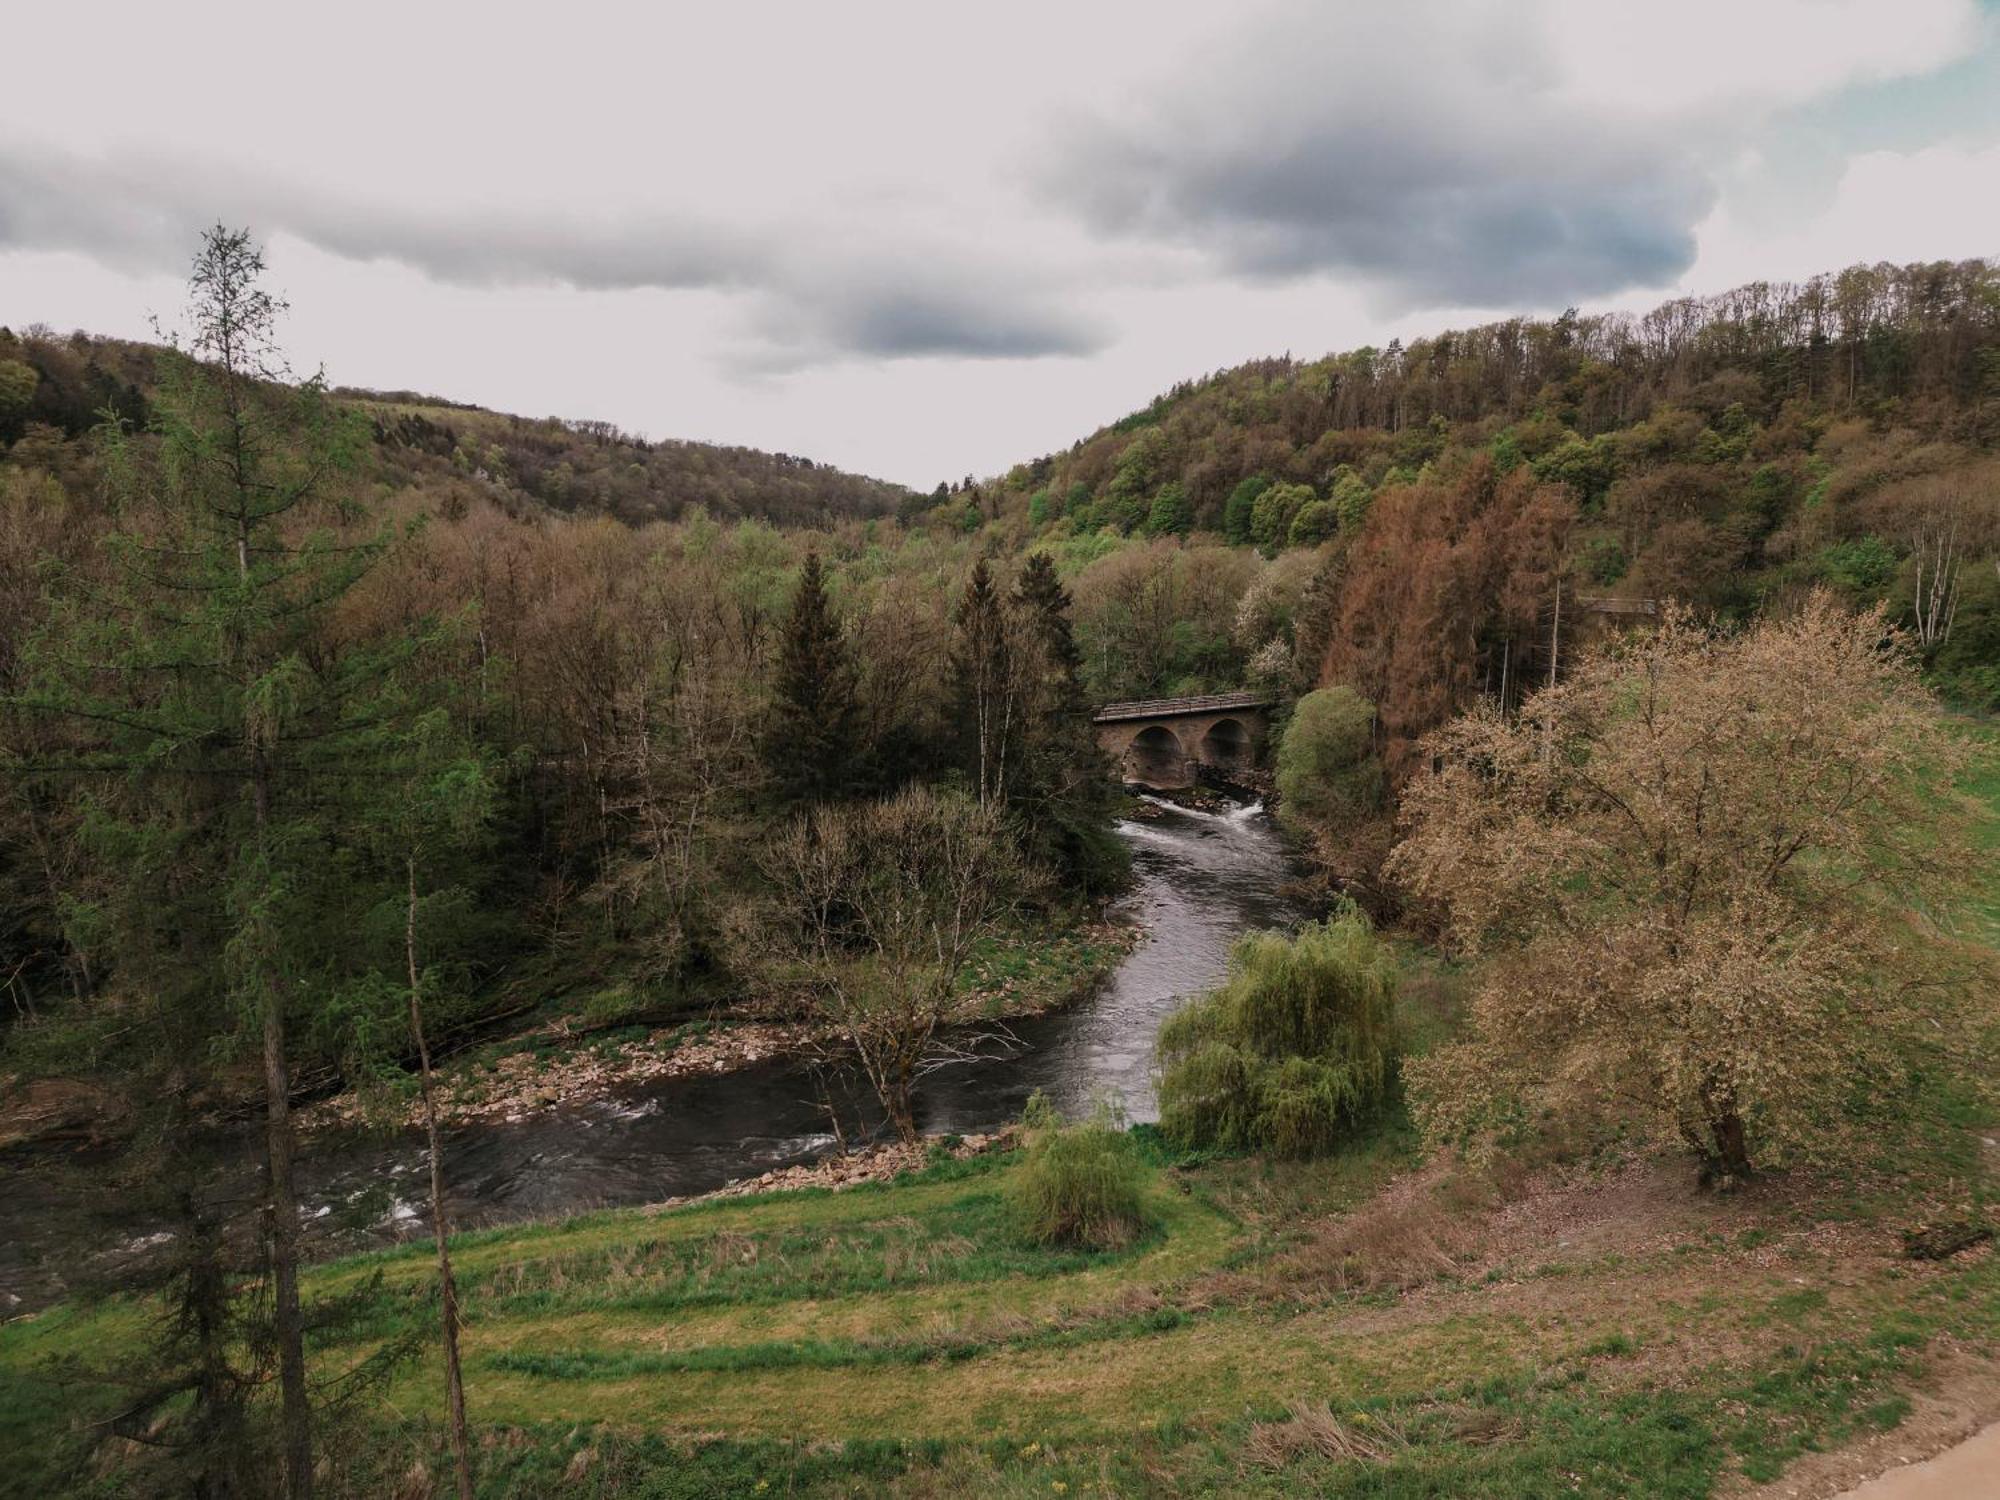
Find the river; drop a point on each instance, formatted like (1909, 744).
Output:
(1199, 880)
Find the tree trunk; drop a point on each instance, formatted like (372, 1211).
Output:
(454, 1382)
(901, 1107)
(1726, 1163)
(218, 1414)
(287, 1325)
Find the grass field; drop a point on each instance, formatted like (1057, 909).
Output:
(1368, 1325)
(1348, 1327)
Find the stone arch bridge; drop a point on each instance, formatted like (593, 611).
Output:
(1162, 742)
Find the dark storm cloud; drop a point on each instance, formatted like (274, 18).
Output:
(1439, 163)
(807, 308)
(915, 306)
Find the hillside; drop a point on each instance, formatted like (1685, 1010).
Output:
(573, 467)
(1735, 381)
(1728, 452)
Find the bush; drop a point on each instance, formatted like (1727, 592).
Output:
(1329, 776)
(1293, 1053)
(1081, 1184)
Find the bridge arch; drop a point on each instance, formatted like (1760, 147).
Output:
(1156, 758)
(1228, 745)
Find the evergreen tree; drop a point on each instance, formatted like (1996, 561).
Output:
(1239, 509)
(811, 740)
(1171, 514)
(212, 708)
(1064, 781)
(982, 659)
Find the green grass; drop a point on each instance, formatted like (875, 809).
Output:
(903, 1338)
(1034, 969)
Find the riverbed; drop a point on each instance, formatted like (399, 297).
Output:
(1200, 879)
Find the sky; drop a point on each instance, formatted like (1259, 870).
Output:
(923, 240)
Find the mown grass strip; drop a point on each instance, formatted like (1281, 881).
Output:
(818, 1354)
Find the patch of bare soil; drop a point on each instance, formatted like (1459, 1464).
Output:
(41, 1111)
(1578, 1253)
(1504, 1227)
(1961, 1399)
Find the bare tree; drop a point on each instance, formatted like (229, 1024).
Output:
(883, 904)
(1944, 520)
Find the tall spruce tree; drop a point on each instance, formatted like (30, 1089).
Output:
(982, 659)
(1063, 782)
(212, 708)
(811, 739)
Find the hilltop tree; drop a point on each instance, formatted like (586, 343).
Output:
(1705, 877)
(810, 738)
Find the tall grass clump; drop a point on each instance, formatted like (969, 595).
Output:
(1080, 1184)
(1293, 1053)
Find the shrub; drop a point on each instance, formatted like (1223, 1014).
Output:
(1329, 776)
(1081, 1184)
(1293, 1053)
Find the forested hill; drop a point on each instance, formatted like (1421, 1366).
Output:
(1751, 374)
(580, 467)
(1422, 510)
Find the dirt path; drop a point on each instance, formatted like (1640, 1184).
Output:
(1971, 1471)
(1947, 1448)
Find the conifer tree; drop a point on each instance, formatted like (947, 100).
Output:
(1064, 781)
(211, 712)
(810, 741)
(982, 659)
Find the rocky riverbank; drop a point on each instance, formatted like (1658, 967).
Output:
(557, 1063)
(853, 1168)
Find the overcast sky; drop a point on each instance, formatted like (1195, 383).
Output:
(923, 240)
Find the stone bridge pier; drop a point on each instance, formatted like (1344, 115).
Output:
(1160, 743)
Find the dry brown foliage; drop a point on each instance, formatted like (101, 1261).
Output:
(1443, 581)
(1312, 1430)
(1711, 878)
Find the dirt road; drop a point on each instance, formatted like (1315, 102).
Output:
(1971, 1471)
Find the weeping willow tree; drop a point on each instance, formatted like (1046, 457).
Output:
(1293, 1053)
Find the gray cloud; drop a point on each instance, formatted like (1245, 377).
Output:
(144, 213)
(921, 303)
(888, 302)
(1426, 150)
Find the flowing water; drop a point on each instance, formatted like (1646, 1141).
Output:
(1200, 879)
